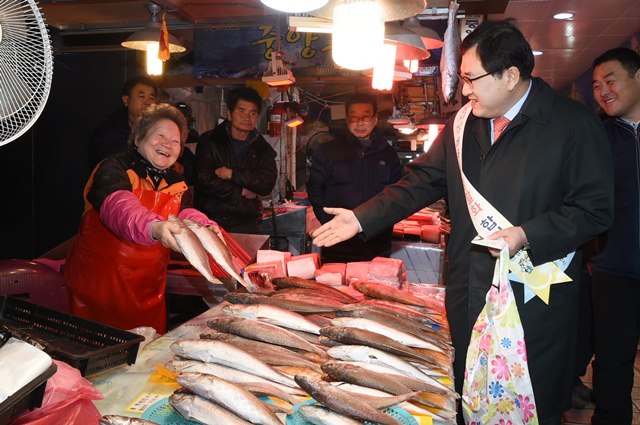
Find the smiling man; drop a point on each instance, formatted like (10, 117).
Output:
(616, 268)
(235, 166)
(539, 159)
(350, 169)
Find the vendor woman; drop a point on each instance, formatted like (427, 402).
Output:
(116, 269)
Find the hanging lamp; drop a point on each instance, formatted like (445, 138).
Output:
(148, 39)
(358, 33)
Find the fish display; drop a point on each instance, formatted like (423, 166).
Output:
(192, 249)
(381, 347)
(451, 56)
(123, 420)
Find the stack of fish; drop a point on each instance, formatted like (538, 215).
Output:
(354, 352)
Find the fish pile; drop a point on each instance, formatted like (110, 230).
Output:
(354, 350)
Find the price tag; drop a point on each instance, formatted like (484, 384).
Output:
(144, 401)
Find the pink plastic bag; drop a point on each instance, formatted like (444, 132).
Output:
(67, 400)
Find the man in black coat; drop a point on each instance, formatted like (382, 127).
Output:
(349, 170)
(616, 268)
(235, 166)
(549, 173)
(112, 135)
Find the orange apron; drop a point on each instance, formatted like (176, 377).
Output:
(116, 282)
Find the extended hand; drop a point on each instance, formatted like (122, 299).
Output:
(343, 226)
(513, 236)
(163, 231)
(224, 173)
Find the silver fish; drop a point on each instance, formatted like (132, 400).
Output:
(192, 249)
(123, 420)
(230, 396)
(264, 332)
(371, 355)
(342, 401)
(271, 314)
(219, 251)
(196, 408)
(228, 355)
(319, 415)
(295, 306)
(451, 57)
(236, 376)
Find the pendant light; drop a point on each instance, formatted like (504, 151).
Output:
(358, 33)
(295, 6)
(148, 40)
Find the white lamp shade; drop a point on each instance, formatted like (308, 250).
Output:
(295, 6)
(384, 68)
(358, 33)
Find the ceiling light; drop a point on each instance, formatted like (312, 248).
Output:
(358, 33)
(295, 6)
(563, 15)
(536, 52)
(384, 68)
(310, 24)
(148, 40)
(410, 45)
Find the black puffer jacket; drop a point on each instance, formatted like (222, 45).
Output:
(221, 199)
(110, 137)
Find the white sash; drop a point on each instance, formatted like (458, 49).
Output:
(487, 219)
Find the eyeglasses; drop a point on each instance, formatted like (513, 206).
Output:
(366, 120)
(469, 81)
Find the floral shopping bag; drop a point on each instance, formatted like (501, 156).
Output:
(497, 387)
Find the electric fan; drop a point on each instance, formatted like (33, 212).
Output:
(26, 67)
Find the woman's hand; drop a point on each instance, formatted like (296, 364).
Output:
(163, 232)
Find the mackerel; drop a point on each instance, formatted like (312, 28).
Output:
(195, 408)
(264, 332)
(342, 401)
(230, 396)
(451, 56)
(226, 354)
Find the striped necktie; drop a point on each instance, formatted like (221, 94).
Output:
(499, 124)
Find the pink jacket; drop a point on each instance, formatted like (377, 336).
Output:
(123, 214)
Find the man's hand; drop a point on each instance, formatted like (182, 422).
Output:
(248, 194)
(513, 236)
(224, 173)
(163, 231)
(343, 226)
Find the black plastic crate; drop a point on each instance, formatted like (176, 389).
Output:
(84, 344)
(26, 398)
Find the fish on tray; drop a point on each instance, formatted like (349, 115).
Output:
(123, 420)
(195, 408)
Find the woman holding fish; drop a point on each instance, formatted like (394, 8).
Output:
(116, 269)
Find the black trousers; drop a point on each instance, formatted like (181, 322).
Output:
(616, 327)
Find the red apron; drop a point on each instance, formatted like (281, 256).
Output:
(116, 282)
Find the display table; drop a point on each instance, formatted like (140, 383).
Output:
(126, 390)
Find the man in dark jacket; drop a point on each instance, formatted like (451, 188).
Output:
(235, 166)
(349, 170)
(112, 135)
(549, 173)
(616, 268)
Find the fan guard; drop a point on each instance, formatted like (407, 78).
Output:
(26, 67)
